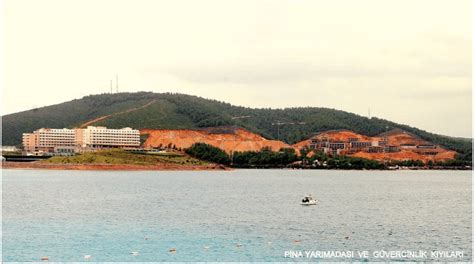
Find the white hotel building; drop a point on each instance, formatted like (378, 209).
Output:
(101, 137)
(50, 140)
(68, 141)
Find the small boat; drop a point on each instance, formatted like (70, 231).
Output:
(308, 200)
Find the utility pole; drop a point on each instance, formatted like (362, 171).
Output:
(278, 131)
(385, 139)
(116, 82)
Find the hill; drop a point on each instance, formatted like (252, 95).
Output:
(178, 111)
(235, 139)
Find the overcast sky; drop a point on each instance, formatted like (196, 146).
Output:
(408, 61)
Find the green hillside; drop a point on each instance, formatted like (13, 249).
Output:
(178, 111)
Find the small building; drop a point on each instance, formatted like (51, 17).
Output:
(391, 149)
(375, 149)
(426, 146)
(9, 149)
(427, 151)
(408, 146)
(337, 145)
(360, 144)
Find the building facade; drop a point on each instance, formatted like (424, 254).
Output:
(29, 142)
(102, 137)
(50, 140)
(68, 141)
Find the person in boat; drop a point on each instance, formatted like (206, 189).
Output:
(307, 199)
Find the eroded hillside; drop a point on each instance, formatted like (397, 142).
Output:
(229, 139)
(394, 145)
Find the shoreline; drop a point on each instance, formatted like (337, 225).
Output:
(110, 167)
(169, 167)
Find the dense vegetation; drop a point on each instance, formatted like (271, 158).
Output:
(321, 160)
(279, 159)
(207, 152)
(263, 158)
(178, 111)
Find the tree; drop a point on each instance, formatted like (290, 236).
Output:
(207, 152)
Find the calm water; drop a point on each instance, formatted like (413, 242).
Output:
(204, 215)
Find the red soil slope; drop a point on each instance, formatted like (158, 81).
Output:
(238, 139)
(235, 139)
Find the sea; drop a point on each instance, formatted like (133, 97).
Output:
(236, 215)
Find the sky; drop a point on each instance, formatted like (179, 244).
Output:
(408, 61)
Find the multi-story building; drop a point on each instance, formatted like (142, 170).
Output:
(337, 145)
(375, 149)
(360, 144)
(29, 142)
(326, 146)
(391, 149)
(67, 141)
(102, 137)
(50, 140)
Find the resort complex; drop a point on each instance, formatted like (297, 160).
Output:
(372, 145)
(392, 145)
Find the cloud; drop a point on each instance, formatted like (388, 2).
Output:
(402, 58)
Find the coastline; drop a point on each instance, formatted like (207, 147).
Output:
(99, 166)
(170, 167)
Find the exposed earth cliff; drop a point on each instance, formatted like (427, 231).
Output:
(394, 145)
(227, 139)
